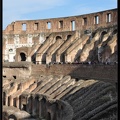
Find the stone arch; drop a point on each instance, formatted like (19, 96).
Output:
(12, 117)
(68, 36)
(58, 37)
(102, 35)
(23, 56)
(114, 32)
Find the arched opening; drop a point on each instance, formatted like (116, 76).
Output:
(23, 56)
(24, 107)
(53, 57)
(62, 57)
(12, 117)
(58, 37)
(68, 36)
(102, 35)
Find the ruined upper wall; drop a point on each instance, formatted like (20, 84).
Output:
(87, 21)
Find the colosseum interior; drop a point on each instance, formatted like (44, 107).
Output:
(61, 68)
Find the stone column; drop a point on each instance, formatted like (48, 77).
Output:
(29, 104)
(48, 58)
(17, 101)
(57, 58)
(6, 100)
(29, 58)
(10, 100)
(33, 105)
(40, 106)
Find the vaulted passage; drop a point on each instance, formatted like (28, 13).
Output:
(23, 56)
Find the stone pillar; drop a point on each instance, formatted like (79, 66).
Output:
(39, 58)
(33, 105)
(10, 100)
(57, 58)
(68, 58)
(48, 58)
(17, 101)
(29, 104)
(29, 58)
(6, 100)
(40, 106)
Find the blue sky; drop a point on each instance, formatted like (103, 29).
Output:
(14, 10)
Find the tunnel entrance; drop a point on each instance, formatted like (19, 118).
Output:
(23, 56)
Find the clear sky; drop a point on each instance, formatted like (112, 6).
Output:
(14, 10)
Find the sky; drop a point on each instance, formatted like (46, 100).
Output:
(15, 10)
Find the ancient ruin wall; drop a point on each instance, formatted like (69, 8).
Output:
(107, 73)
(86, 21)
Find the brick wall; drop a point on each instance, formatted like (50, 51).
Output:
(37, 26)
(107, 73)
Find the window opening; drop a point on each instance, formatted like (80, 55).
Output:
(23, 26)
(84, 21)
(13, 27)
(48, 25)
(96, 20)
(60, 24)
(73, 25)
(108, 17)
(36, 26)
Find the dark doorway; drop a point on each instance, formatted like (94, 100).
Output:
(23, 56)
(48, 116)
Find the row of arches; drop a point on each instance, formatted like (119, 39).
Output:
(23, 55)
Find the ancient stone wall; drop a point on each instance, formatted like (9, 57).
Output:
(16, 70)
(91, 21)
(34, 33)
(107, 73)
(59, 98)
